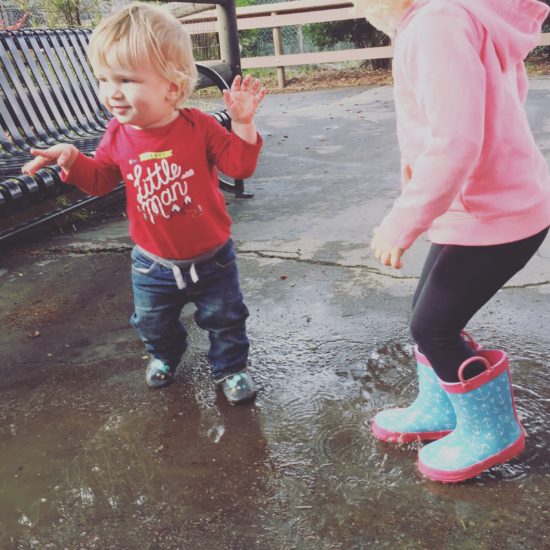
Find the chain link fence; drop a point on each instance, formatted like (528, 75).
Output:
(259, 42)
(15, 14)
(65, 13)
(18, 14)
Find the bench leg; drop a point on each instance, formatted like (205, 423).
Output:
(236, 189)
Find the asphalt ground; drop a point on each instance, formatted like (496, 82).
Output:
(93, 458)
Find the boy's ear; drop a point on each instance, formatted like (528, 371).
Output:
(174, 91)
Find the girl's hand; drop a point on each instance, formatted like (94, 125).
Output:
(385, 252)
(63, 154)
(243, 99)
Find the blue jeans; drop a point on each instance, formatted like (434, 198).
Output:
(220, 310)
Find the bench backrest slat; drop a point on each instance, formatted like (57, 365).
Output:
(49, 67)
(84, 76)
(76, 101)
(68, 98)
(10, 123)
(79, 39)
(45, 102)
(31, 78)
(20, 100)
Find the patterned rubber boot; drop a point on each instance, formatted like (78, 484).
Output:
(430, 416)
(487, 432)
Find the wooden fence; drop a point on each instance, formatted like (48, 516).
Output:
(297, 12)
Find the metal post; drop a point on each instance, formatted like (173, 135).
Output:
(278, 46)
(229, 35)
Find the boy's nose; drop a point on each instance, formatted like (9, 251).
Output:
(110, 90)
(115, 93)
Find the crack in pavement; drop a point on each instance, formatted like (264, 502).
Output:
(327, 263)
(288, 256)
(74, 251)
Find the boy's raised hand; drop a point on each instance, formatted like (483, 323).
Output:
(62, 154)
(243, 99)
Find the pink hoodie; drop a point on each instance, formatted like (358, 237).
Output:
(478, 177)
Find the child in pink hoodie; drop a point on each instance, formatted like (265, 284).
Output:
(474, 179)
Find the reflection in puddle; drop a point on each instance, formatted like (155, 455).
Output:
(319, 429)
(301, 466)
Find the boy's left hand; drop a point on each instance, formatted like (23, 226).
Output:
(387, 254)
(243, 99)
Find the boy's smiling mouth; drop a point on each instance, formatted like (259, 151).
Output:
(119, 109)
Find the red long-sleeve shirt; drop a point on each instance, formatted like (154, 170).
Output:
(175, 208)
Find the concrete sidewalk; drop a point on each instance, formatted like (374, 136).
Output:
(93, 458)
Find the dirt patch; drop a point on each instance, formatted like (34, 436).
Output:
(538, 65)
(327, 78)
(35, 315)
(318, 78)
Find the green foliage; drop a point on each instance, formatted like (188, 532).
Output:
(66, 12)
(546, 26)
(63, 13)
(357, 32)
(251, 41)
(24, 5)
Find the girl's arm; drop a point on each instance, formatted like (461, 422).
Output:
(442, 64)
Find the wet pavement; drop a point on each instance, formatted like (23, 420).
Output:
(93, 458)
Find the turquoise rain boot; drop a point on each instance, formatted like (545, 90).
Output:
(487, 432)
(430, 416)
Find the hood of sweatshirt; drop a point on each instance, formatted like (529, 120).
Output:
(513, 25)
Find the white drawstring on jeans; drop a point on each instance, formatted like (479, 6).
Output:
(180, 282)
(176, 270)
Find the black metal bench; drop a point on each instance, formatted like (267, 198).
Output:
(48, 94)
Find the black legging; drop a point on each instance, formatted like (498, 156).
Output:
(456, 282)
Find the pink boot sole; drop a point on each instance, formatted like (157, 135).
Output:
(456, 476)
(406, 437)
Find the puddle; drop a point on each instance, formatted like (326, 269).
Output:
(84, 466)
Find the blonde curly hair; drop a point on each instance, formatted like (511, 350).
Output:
(139, 32)
(382, 14)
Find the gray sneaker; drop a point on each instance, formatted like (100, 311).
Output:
(238, 388)
(159, 374)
